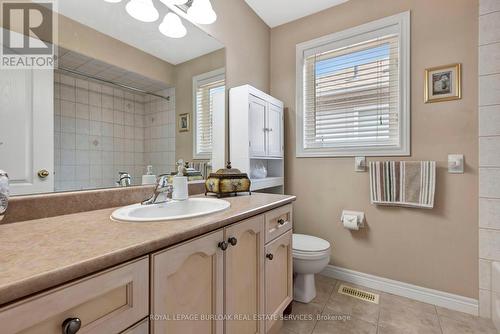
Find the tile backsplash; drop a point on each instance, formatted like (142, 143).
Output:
(101, 130)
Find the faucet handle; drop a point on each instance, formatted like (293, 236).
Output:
(162, 180)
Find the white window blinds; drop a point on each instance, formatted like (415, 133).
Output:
(353, 97)
(205, 91)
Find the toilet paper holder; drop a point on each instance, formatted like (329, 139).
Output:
(360, 217)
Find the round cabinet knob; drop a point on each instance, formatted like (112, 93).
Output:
(43, 173)
(270, 256)
(281, 221)
(71, 325)
(232, 241)
(223, 245)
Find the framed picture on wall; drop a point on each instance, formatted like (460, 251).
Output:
(443, 83)
(184, 123)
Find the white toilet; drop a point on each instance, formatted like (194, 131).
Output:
(310, 256)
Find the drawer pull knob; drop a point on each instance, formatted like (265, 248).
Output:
(232, 241)
(270, 256)
(71, 325)
(223, 245)
(281, 221)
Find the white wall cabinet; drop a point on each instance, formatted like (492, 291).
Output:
(256, 135)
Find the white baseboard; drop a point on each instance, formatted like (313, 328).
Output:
(430, 296)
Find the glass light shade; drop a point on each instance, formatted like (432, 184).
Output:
(142, 10)
(174, 2)
(201, 12)
(113, 1)
(172, 26)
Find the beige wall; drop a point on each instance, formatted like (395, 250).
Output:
(432, 248)
(184, 74)
(246, 38)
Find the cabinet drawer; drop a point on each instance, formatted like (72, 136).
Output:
(108, 302)
(278, 221)
(140, 328)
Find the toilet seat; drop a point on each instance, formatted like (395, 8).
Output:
(309, 247)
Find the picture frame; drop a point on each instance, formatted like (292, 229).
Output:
(443, 83)
(184, 122)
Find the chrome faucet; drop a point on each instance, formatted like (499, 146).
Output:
(4, 192)
(125, 179)
(162, 187)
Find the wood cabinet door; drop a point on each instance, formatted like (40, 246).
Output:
(244, 266)
(187, 288)
(275, 134)
(278, 276)
(257, 126)
(107, 302)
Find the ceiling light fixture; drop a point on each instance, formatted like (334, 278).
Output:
(172, 26)
(201, 12)
(142, 10)
(113, 1)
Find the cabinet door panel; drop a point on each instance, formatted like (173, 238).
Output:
(188, 282)
(278, 276)
(245, 277)
(275, 131)
(257, 125)
(107, 302)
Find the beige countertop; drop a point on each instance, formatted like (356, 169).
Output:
(39, 254)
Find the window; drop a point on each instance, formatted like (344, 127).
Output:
(353, 91)
(208, 88)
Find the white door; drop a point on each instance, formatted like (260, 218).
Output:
(275, 131)
(27, 129)
(257, 127)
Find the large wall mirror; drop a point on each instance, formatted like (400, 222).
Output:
(122, 96)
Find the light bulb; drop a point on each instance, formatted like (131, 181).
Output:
(174, 2)
(113, 1)
(142, 10)
(172, 26)
(201, 12)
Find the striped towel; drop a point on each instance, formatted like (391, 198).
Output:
(403, 183)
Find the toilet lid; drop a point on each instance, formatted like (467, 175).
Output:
(308, 243)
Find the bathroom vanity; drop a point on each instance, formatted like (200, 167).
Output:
(230, 272)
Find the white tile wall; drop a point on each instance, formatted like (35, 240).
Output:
(100, 130)
(489, 213)
(489, 159)
(489, 121)
(488, 6)
(489, 28)
(159, 134)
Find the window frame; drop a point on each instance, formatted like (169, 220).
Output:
(400, 24)
(216, 75)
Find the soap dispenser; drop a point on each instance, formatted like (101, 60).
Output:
(149, 178)
(180, 183)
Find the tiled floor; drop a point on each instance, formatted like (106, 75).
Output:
(393, 315)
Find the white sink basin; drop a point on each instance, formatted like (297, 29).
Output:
(193, 207)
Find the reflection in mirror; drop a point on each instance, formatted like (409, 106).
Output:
(124, 103)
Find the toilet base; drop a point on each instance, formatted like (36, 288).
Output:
(304, 288)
